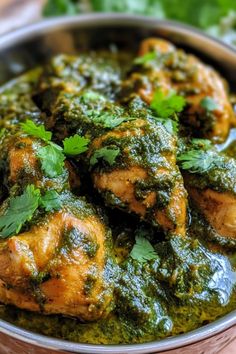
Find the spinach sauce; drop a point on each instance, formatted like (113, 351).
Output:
(191, 282)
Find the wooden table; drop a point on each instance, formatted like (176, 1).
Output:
(15, 13)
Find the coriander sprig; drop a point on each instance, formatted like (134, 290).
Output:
(142, 250)
(201, 157)
(22, 208)
(75, 145)
(38, 131)
(52, 160)
(165, 109)
(146, 58)
(50, 201)
(109, 120)
(166, 106)
(52, 156)
(107, 154)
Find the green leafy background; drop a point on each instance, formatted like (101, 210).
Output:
(217, 17)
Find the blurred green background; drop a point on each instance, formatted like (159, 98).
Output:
(217, 17)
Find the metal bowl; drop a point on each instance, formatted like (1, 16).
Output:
(35, 44)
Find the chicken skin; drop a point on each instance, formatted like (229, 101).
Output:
(173, 69)
(59, 265)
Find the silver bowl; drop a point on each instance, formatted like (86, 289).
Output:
(35, 44)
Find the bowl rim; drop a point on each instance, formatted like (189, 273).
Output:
(109, 18)
(115, 19)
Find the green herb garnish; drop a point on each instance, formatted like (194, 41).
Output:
(197, 161)
(170, 124)
(108, 120)
(75, 145)
(146, 58)
(167, 106)
(209, 104)
(38, 131)
(50, 201)
(142, 250)
(52, 160)
(20, 210)
(52, 156)
(107, 154)
(92, 96)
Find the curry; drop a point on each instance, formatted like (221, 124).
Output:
(118, 196)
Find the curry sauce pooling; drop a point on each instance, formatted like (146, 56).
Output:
(118, 207)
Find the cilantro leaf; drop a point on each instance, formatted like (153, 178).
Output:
(209, 104)
(75, 145)
(109, 120)
(20, 210)
(143, 250)
(166, 106)
(170, 124)
(50, 201)
(107, 154)
(92, 96)
(146, 58)
(197, 161)
(52, 160)
(38, 131)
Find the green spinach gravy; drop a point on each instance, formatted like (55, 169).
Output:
(164, 284)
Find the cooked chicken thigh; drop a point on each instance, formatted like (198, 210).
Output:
(60, 262)
(173, 69)
(144, 178)
(60, 265)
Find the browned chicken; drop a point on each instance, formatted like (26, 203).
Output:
(173, 69)
(150, 184)
(214, 194)
(144, 178)
(21, 165)
(59, 265)
(218, 208)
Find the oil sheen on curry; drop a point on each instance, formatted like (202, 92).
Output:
(118, 196)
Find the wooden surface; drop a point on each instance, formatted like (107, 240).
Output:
(15, 13)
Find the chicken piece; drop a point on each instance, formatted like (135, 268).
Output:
(21, 165)
(144, 178)
(173, 69)
(61, 265)
(218, 208)
(214, 194)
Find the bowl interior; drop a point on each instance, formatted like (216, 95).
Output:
(28, 48)
(34, 45)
